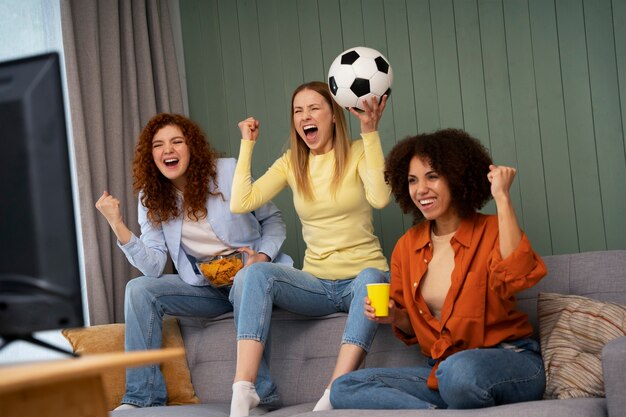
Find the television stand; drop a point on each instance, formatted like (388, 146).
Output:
(31, 339)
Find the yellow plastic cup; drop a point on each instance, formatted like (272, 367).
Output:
(379, 298)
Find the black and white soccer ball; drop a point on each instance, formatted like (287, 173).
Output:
(357, 74)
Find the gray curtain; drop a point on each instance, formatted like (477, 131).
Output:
(121, 70)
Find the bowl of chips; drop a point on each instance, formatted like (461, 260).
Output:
(219, 270)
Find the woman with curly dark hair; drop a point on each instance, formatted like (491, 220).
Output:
(454, 276)
(184, 209)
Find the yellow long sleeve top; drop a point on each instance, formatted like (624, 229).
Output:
(338, 230)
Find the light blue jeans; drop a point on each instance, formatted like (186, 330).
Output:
(147, 300)
(473, 378)
(264, 285)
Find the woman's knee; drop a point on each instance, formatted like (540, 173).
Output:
(235, 291)
(138, 288)
(372, 276)
(367, 276)
(475, 379)
(459, 384)
(140, 293)
(341, 391)
(257, 275)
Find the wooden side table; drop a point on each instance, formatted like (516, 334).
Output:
(67, 387)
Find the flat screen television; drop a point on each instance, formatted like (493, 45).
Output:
(40, 286)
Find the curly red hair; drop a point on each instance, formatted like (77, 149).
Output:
(158, 194)
(455, 155)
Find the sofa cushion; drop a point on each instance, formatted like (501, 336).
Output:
(303, 352)
(570, 274)
(573, 330)
(110, 338)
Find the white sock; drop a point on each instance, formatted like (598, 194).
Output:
(324, 402)
(126, 407)
(244, 398)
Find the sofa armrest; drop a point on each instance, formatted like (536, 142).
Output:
(614, 369)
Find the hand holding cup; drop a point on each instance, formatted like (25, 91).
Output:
(369, 312)
(378, 295)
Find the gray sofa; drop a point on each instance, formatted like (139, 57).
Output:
(303, 353)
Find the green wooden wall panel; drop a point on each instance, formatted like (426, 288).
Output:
(289, 44)
(351, 12)
(252, 58)
(330, 31)
(619, 28)
(541, 82)
(275, 126)
(472, 75)
(606, 115)
(471, 72)
(310, 41)
(402, 97)
(579, 122)
(402, 105)
(422, 63)
(526, 126)
(501, 141)
(550, 107)
(210, 83)
(374, 25)
(446, 63)
(232, 70)
(497, 92)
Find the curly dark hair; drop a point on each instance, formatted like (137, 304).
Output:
(456, 156)
(158, 192)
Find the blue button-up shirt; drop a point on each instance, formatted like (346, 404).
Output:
(263, 230)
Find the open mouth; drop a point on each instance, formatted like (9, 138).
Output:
(427, 202)
(310, 131)
(170, 162)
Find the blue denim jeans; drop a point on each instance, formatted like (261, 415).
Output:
(147, 300)
(262, 285)
(473, 378)
(265, 284)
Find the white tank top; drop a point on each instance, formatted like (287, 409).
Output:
(199, 240)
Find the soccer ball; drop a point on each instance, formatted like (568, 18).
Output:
(358, 74)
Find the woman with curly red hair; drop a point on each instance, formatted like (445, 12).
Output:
(184, 209)
(454, 276)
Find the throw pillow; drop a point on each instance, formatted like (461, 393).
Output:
(110, 338)
(573, 330)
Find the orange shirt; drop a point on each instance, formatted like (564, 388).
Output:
(480, 308)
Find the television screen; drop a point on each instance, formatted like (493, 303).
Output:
(40, 285)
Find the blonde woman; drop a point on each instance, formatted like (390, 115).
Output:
(336, 183)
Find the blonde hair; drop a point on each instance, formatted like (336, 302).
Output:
(300, 151)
